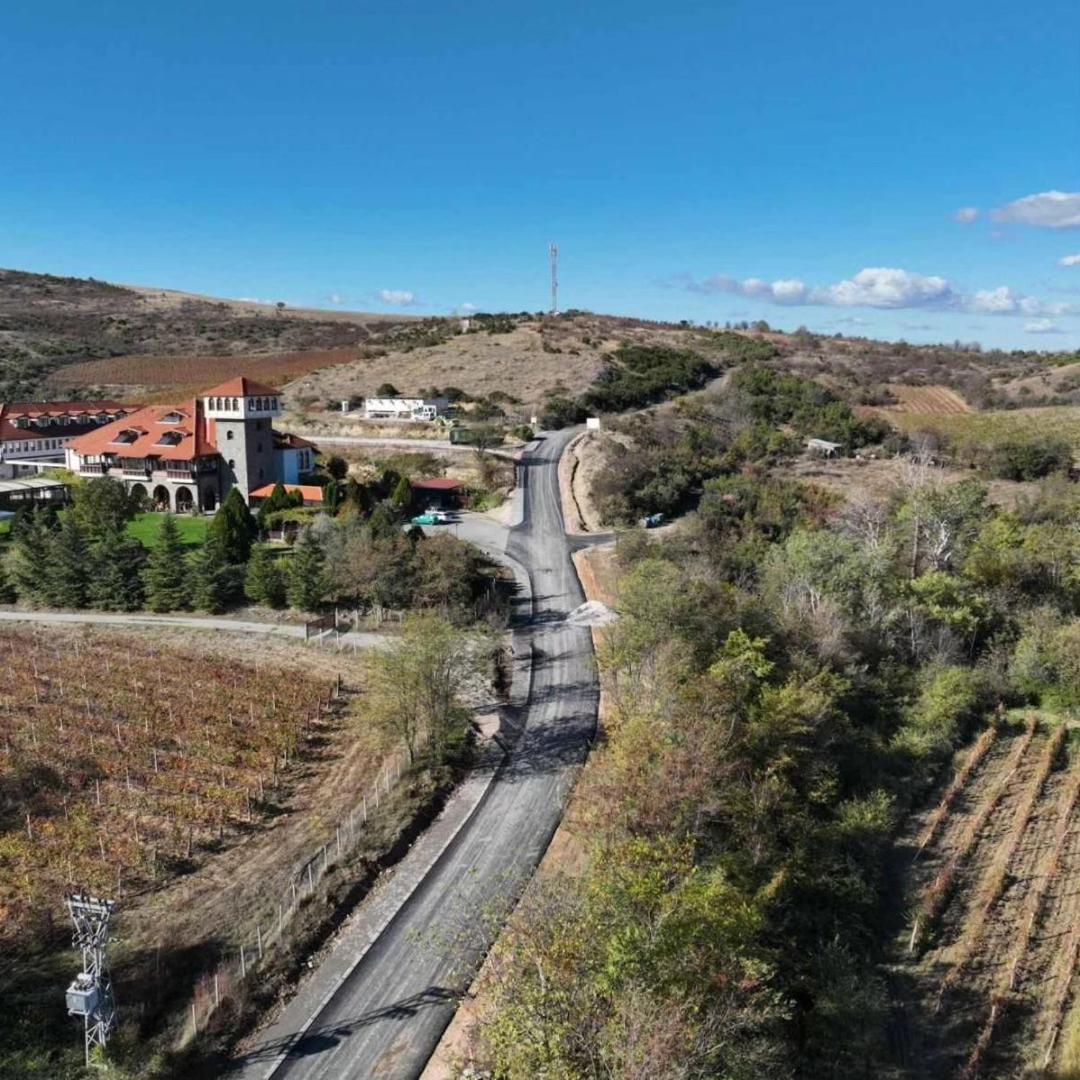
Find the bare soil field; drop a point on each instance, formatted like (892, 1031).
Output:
(985, 967)
(1061, 421)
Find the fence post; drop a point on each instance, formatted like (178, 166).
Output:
(194, 1021)
(243, 964)
(337, 834)
(310, 883)
(293, 884)
(365, 809)
(217, 991)
(258, 937)
(281, 913)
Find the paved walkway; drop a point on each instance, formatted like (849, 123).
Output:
(186, 622)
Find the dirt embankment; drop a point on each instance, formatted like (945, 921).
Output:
(577, 469)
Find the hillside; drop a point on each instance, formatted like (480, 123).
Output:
(51, 323)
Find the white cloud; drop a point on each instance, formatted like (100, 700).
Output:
(1069, 260)
(882, 287)
(467, 308)
(1048, 210)
(336, 298)
(1042, 326)
(850, 320)
(966, 214)
(397, 297)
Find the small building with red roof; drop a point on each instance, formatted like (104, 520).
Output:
(440, 491)
(189, 456)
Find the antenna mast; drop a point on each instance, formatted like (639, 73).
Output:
(90, 995)
(553, 256)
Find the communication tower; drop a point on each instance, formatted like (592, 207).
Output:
(553, 256)
(90, 995)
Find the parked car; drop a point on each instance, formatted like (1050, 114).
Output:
(431, 517)
(653, 521)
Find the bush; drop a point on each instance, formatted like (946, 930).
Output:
(1030, 459)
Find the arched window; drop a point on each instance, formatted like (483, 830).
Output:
(229, 434)
(232, 404)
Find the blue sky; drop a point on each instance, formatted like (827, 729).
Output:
(798, 162)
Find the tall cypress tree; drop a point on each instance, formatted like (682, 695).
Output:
(234, 528)
(67, 577)
(166, 573)
(8, 595)
(305, 579)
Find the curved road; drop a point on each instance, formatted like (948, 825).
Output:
(388, 1014)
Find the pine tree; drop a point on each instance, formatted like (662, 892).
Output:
(166, 573)
(305, 579)
(67, 575)
(234, 528)
(332, 497)
(8, 594)
(213, 579)
(265, 582)
(28, 564)
(116, 567)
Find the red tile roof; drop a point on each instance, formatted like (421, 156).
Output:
(312, 493)
(37, 409)
(286, 440)
(241, 386)
(196, 435)
(438, 483)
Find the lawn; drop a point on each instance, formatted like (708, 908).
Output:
(145, 527)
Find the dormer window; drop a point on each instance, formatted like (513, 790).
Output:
(128, 435)
(172, 418)
(170, 438)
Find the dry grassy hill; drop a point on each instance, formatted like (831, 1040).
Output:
(80, 326)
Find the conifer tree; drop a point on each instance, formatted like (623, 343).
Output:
(28, 564)
(7, 589)
(116, 566)
(166, 575)
(213, 580)
(67, 573)
(234, 528)
(403, 494)
(265, 583)
(332, 497)
(305, 579)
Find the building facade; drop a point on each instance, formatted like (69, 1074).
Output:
(40, 431)
(404, 408)
(188, 457)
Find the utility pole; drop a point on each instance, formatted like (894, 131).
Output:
(553, 256)
(90, 995)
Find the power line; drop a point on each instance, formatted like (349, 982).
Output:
(90, 994)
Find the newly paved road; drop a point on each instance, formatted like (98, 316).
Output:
(388, 1014)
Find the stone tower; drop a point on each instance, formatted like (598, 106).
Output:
(239, 415)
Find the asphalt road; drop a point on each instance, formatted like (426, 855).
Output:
(388, 1014)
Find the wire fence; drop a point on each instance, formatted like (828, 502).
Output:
(258, 943)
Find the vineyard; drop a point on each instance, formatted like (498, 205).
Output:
(1058, 421)
(991, 951)
(927, 400)
(122, 761)
(197, 372)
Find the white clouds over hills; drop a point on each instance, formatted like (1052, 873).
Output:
(883, 287)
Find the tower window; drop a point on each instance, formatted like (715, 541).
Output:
(229, 434)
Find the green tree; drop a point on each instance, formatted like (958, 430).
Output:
(116, 565)
(166, 575)
(102, 505)
(68, 570)
(403, 494)
(417, 684)
(214, 581)
(265, 583)
(234, 528)
(305, 578)
(8, 594)
(332, 498)
(29, 561)
(336, 467)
